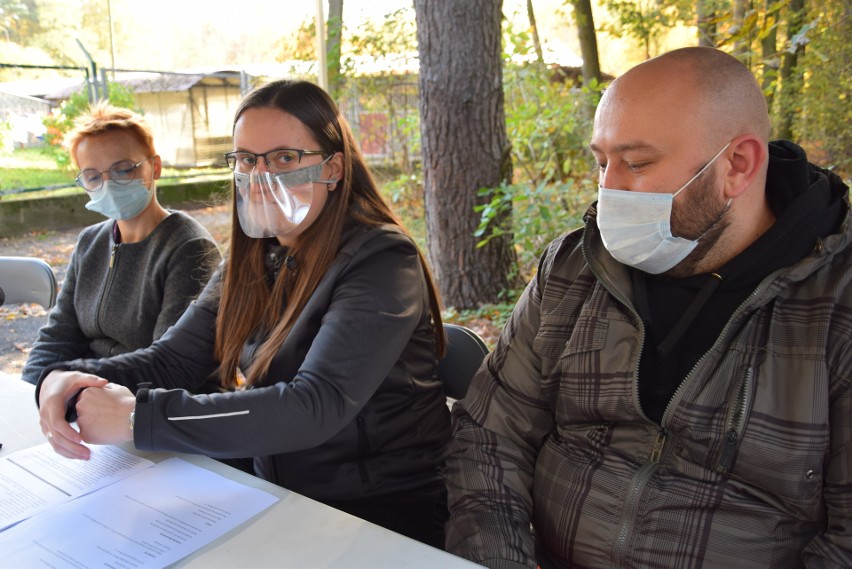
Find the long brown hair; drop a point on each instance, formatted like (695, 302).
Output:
(248, 304)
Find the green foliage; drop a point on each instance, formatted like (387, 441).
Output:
(301, 45)
(549, 123)
(377, 83)
(814, 97)
(405, 194)
(395, 34)
(646, 21)
(826, 112)
(16, 19)
(60, 121)
(540, 213)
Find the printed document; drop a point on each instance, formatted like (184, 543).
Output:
(149, 520)
(35, 479)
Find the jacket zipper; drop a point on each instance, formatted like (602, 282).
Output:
(736, 422)
(641, 478)
(724, 332)
(631, 504)
(110, 275)
(363, 448)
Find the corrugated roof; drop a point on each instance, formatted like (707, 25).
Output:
(137, 81)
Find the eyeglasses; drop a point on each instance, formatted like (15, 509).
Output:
(279, 160)
(121, 172)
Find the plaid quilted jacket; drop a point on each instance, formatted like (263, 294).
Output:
(751, 468)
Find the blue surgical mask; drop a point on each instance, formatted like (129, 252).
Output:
(636, 227)
(120, 201)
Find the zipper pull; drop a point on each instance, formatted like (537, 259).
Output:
(658, 446)
(731, 443)
(112, 255)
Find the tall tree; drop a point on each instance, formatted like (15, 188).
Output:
(705, 11)
(826, 112)
(741, 39)
(536, 41)
(332, 46)
(791, 74)
(464, 144)
(588, 40)
(768, 50)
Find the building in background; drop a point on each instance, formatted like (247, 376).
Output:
(191, 114)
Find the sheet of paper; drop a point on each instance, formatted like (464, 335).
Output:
(149, 520)
(34, 479)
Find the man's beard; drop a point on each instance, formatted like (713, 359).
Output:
(700, 216)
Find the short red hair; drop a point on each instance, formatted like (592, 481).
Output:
(103, 117)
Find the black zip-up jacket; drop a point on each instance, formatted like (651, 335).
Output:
(351, 407)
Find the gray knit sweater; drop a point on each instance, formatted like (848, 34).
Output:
(118, 298)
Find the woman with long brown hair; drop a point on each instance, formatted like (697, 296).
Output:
(316, 342)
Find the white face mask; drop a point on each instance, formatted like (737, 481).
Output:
(636, 227)
(272, 205)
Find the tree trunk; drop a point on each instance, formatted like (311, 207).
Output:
(706, 20)
(768, 52)
(534, 27)
(332, 46)
(741, 47)
(464, 144)
(588, 40)
(791, 75)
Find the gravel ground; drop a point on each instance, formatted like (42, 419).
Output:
(19, 324)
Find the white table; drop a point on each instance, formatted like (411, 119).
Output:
(296, 532)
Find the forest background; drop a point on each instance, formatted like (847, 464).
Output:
(799, 51)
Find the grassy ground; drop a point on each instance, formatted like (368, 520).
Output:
(33, 172)
(31, 168)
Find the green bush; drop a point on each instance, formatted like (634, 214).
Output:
(59, 122)
(549, 124)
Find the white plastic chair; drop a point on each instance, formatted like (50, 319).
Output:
(27, 280)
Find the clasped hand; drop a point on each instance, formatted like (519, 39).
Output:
(103, 409)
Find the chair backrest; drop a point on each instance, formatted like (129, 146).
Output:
(27, 280)
(465, 352)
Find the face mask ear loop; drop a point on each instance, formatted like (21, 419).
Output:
(692, 179)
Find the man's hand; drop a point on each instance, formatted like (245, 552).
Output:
(102, 414)
(57, 391)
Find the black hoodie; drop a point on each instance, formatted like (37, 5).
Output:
(808, 202)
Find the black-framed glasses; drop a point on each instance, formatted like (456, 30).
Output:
(122, 172)
(278, 160)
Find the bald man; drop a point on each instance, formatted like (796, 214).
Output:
(673, 388)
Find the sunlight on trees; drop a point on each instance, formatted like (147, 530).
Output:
(799, 51)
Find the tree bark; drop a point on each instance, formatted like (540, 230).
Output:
(790, 75)
(332, 46)
(588, 40)
(464, 143)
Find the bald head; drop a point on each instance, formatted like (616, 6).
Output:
(662, 122)
(700, 88)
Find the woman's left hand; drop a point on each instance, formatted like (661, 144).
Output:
(103, 414)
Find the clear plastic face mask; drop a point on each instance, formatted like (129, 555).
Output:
(270, 205)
